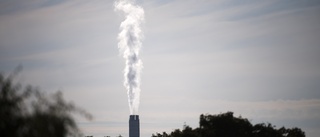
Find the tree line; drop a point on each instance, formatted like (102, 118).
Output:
(226, 125)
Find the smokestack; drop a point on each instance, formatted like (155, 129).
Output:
(134, 126)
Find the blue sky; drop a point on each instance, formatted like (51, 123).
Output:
(259, 59)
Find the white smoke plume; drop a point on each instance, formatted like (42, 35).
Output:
(130, 37)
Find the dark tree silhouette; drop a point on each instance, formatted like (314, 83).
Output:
(226, 125)
(30, 113)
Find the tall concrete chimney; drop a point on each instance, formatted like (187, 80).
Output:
(134, 126)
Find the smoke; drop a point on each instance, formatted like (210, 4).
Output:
(130, 37)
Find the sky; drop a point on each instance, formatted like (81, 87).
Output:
(258, 59)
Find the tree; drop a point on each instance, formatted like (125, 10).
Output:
(176, 133)
(29, 112)
(265, 130)
(189, 132)
(226, 125)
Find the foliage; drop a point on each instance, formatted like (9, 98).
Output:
(226, 125)
(30, 113)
